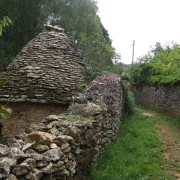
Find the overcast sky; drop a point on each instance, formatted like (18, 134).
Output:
(145, 21)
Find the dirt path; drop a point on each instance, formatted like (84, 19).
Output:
(171, 143)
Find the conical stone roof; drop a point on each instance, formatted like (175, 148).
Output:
(48, 69)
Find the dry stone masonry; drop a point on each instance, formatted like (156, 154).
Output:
(166, 98)
(47, 70)
(65, 146)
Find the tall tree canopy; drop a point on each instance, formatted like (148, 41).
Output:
(78, 17)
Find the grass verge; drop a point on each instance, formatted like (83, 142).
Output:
(137, 155)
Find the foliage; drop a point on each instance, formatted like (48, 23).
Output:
(84, 86)
(90, 75)
(4, 23)
(137, 155)
(79, 18)
(160, 66)
(125, 77)
(130, 105)
(123, 70)
(5, 112)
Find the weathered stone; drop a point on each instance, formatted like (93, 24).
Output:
(47, 169)
(63, 139)
(4, 150)
(53, 146)
(71, 166)
(17, 154)
(58, 164)
(41, 148)
(35, 127)
(38, 157)
(50, 119)
(41, 164)
(12, 177)
(64, 146)
(10, 161)
(21, 136)
(72, 131)
(64, 173)
(54, 154)
(86, 110)
(21, 142)
(41, 138)
(62, 116)
(12, 141)
(35, 174)
(92, 109)
(27, 146)
(28, 163)
(17, 145)
(54, 131)
(67, 150)
(52, 124)
(5, 165)
(18, 170)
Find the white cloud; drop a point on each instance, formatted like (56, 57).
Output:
(146, 21)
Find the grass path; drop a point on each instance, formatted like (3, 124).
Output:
(169, 134)
(147, 149)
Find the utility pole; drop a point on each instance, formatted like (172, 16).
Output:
(133, 54)
(132, 61)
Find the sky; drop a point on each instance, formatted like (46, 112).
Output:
(145, 21)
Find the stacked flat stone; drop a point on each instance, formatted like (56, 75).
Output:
(163, 97)
(48, 69)
(62, 148)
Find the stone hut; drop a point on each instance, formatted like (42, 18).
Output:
(47, 70)
(41, 80)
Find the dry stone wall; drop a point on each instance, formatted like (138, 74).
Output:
(66, 146)
(26, 114)
(166, 98)
(47, 70)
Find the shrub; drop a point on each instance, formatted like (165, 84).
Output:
(130, 105)
(5, 112)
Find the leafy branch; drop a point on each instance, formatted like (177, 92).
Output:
(5, 22)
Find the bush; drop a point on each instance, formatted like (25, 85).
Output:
(130, 105)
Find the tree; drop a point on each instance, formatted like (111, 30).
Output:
(160, 66)
(79, 18)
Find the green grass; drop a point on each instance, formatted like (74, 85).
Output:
(170, 120)
(137, 155)
(174, 121)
